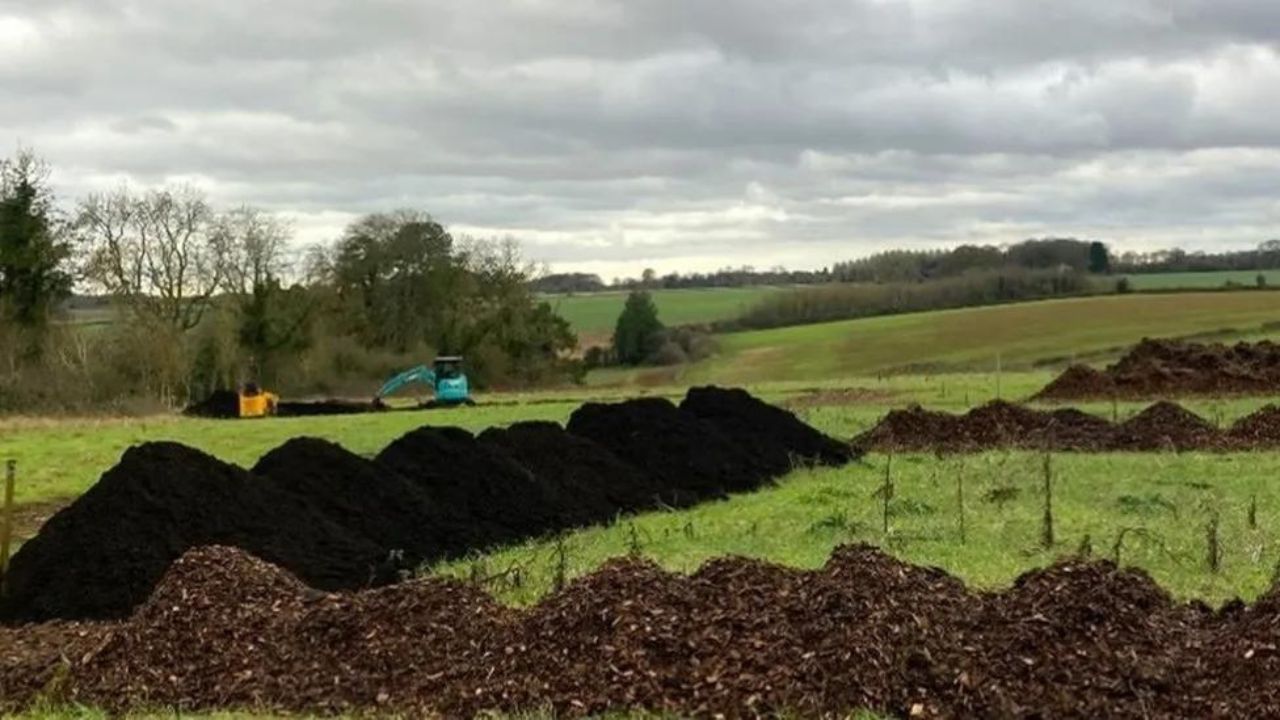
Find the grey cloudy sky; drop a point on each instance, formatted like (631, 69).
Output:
(610, 135)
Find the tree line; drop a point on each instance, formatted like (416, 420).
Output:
(199, 297)
(894, 266)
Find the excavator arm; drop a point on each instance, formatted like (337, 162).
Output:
(421, 373)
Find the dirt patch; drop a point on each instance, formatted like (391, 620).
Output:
(1171, 368)
(28, 518)
(840, 398)
(999, 424)
(737, 638)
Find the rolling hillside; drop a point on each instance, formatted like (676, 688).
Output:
(593, 315)
(1023, 335)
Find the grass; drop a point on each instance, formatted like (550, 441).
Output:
(1216, 279)
(61, 458)
(1161, 503)
(1022, 335)
(593, 314)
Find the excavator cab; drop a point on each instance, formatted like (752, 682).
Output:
(451, 382)
(445, 377)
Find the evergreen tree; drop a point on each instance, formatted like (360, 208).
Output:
(1099, 259)
(33, 255)
(637, 329)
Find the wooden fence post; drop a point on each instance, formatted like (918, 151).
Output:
(6, 524)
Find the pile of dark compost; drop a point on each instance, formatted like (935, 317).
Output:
(340, 521)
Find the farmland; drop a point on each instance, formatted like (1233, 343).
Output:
(1023, 335)
(1195, 280)
(593, 315)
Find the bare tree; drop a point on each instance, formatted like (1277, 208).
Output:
(156, 252)
(254, 247)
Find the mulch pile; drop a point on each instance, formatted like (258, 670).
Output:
(340, 521)
(1162, 368)
(737, 638)
(999, 424)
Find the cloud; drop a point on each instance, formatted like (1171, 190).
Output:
(613, 134)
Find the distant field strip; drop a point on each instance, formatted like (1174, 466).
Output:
(594, 314)
(1172, 281)
(970, 339)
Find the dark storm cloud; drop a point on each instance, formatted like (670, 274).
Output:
(675, 133)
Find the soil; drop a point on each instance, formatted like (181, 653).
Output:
(478, 485)
(340, 521)
(1167, 426)
(325, 407)
(738, 638)
(841, 397)
(998, 424)
(690, 458)
(1170, 368)
(219, 404)
(371, 501)
(101, 556)
(777, 439)
(1261, 428)
(595, 482)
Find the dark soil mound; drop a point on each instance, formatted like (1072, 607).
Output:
(1003, 423)
(1078, 381)
(103, 554)
(598, 484)
(371, 500)
(772, 435)
(1163, 368)
(325, 407)
(1166, 426)
(686, 456)
(485, 492)
(220, 404)
(1072, 429)
(1258, 429)
(912, 429)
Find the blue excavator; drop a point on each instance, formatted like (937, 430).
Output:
(445, 377)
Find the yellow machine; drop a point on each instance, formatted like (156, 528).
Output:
(256, 402)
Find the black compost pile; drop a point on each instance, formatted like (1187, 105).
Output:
(325, 407)
(599, 482)
(690, 458)
(774, 436)
(219, 404)
(101, 555)
(340, 521)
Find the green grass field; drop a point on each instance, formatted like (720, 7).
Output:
(1022, 335)
(1185, 280)
(1162, 504)
(593, 315)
